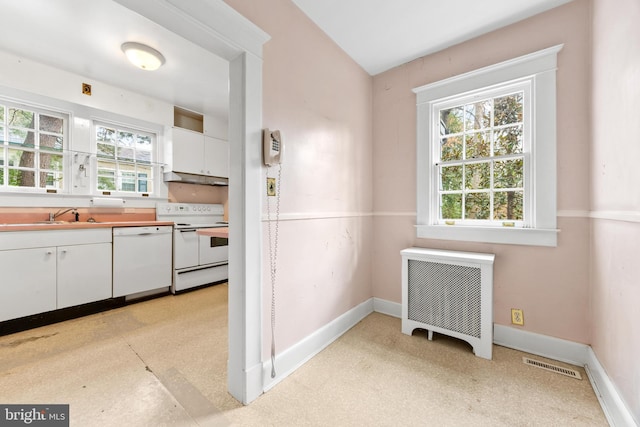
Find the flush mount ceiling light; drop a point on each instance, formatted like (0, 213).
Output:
(143, 56)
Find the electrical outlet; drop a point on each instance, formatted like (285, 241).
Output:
(271, 186)
(517, 317)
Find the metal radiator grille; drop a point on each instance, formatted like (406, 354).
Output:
(445, 295)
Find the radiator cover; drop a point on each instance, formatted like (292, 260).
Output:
(450, 293)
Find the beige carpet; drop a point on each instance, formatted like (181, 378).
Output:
(163, 362)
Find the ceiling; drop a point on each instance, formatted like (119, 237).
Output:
(378, 34)
(85, 39)
(381, 34)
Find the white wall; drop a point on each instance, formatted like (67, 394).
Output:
(27, 80)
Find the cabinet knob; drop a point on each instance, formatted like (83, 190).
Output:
(49, 252)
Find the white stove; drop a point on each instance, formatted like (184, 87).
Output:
(197, 260)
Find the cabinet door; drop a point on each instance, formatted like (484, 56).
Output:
(216, 157)
(84, 274)
(188, 149)
(28, 282)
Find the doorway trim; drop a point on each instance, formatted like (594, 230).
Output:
(218, 28)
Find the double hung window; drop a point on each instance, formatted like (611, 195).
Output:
(32, 146)
(481, 164)
(125, 159)
(486, 154)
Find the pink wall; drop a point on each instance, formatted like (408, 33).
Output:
(321, 101)
(615, 270)
(549, 284)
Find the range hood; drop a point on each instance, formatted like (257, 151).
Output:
(190, 178)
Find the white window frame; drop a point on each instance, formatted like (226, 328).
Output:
(155, 174)
(539, 69)
(38, 110)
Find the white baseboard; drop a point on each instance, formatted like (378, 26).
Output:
(387, 307)
(612, 404)
(614, 408)
(294, 357)
(542, 345)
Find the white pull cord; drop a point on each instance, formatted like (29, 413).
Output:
(273, 258)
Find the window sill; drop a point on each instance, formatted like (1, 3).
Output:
(502, 235)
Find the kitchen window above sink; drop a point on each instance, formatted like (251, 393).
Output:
(51, 149)
(32, 146)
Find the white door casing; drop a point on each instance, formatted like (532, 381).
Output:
(217, 27)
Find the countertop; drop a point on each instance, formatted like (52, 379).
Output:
(214, 232)
(73, 225)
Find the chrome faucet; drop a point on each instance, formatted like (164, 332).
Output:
(53, 216)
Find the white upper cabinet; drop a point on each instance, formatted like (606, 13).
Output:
(216, 157)
(188, 151)
(194, 152)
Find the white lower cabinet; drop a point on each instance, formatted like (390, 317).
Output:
(48, 270)
(84, 274)
(28, 282)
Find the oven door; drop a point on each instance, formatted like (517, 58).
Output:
(213, 250)
(185, 248)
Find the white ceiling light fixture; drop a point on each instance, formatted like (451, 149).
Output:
(143, 56)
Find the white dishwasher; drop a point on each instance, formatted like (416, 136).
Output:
(142, 258)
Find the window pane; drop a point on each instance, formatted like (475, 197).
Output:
(477, 206)
(21, 137)
(2, 113)
(478, 115)
(478, 145)
(451, 121)
(51, 180)
(477, 176)
(51, 141)
(451, 206)
(126, 139)
(106, 183)
(20, 118)
(144, 179)
(21, 178)
(51, 161)
(127, 175)
(51, 124)
(451, 148)
(508, 141)
(125, 153)
(508, 205)
(508, 174)
(143, 142)
(104, 134)
(508, 109)
(451, 178)
(21, 158)
(1, 133)
(143, 156)
(106, 150)
(1, 176)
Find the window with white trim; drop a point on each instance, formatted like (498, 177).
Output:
(32, 146)
(124, 159)
(486, 147)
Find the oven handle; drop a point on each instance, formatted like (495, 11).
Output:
(187, 230)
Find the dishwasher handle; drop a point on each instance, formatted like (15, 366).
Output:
(144, 230)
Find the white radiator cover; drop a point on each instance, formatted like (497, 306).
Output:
(450, 293)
